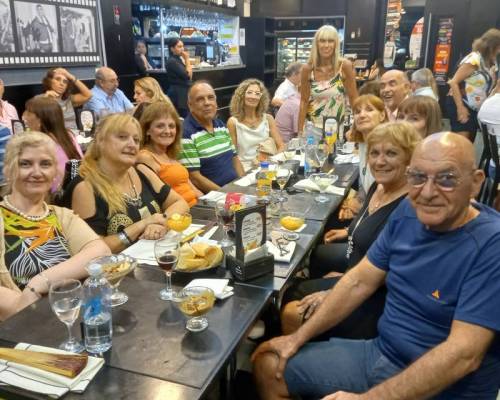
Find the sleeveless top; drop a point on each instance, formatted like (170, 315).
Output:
(69, 114)
(177, 177)
(104, 224)
(327, 99)
(249, 140)
(477, 86)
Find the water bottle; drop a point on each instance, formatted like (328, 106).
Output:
(263, 183)
(97, 325)
(309, 157)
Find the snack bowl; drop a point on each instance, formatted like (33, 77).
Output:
(195, 302)
(198, 257)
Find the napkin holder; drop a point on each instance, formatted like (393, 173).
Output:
(244, 271)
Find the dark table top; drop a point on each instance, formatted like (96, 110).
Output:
(152, 350)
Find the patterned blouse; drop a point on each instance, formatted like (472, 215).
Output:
(32, 247)
(327, 99)
(478, 85)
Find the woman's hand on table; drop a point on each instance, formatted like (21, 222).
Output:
(153, 232)
(334, 235)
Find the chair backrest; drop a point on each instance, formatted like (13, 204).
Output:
(71, 170)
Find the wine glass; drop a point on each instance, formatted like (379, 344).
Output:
(167, 254)
(194, 302)
(225, 216)
(65, 298)
(291, 221)
(289, 152)
(323, 181)
(321, 154)
(179, 222)
(282, 176)
(115, 268)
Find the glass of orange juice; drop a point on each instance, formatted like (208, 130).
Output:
(291, 221)
(179, 222)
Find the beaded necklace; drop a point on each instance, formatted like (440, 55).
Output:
(33, 218)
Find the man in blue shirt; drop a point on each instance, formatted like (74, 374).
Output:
(207, 151)
(106, 97)
(439, 256)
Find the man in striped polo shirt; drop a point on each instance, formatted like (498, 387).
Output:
(207, 150)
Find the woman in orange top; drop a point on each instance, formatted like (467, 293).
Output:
(162, 133)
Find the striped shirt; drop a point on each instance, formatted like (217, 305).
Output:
(210, 153)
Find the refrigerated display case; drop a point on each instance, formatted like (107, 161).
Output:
(291, 49)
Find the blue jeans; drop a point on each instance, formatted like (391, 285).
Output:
(323, 368)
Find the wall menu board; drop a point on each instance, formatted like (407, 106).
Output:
(442, 54)
(48, 32)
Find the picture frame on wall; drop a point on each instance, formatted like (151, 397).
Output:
(44, 33)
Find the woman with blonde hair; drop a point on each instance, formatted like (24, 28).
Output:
(253, 131)
(423, 112)
(390, 147)
(148, 90)
(472, 83)
(162, 133)
(325, 80)
(120, 202)
(39, 243)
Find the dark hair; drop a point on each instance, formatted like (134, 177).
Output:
(140, 110)
(426, 107)
(47, 83)
(370, 87)
(52, 123)
(172, 43)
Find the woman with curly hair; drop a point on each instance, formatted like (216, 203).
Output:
(148, 90)
(68, 91)
(251, 128)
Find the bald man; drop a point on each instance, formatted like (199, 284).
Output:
(106, 97)
(439, 256)
(394, 88)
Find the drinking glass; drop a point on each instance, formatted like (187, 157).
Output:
(167, 254)
(65, 298)
(194, 302)
(291, 221)
(289, 152)
(179, 223)
(225, 216)
(321, 154)
(282, 176)
(323, 180)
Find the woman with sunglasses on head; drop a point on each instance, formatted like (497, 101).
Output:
(39, 243)
(389, 150)
(68, 91)
(252, 130)
(43, 114)
(325, 80)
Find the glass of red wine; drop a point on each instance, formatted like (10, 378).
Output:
(167, 254)
(225, 216)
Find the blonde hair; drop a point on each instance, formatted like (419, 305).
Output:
(373, 100)
(237, 105)
(15, 147)
(154, 112)
(90, 169)
(426, 107)
(401, 134)
(325, 32)
(152, 89)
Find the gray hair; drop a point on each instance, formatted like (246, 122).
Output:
(422, 76)
(292, 69)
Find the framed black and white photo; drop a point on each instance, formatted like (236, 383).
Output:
(48, 33)
(7, 44)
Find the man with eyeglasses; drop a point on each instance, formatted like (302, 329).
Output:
(439, 256)
(106, 97)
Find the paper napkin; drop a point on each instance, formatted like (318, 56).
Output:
(275, 251)
(219, 286)
(307, 184)
(47, 383)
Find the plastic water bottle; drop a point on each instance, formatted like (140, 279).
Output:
(309, 157)
(263, 183)
(97, 325)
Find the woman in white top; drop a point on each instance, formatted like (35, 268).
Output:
(250, 126)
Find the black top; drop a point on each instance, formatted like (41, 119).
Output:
(176, 71)
(369, 227)
(104, 224)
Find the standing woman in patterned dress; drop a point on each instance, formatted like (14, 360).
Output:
(325, 80)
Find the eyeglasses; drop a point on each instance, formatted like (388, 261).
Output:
(446, 181)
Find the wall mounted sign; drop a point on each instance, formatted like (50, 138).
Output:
(48, 32)
(442, 54)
